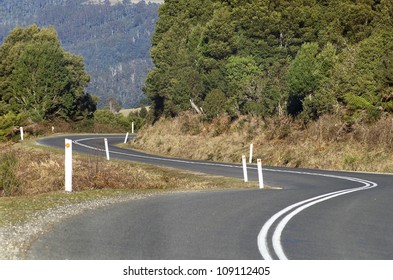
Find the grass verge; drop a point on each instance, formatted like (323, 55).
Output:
(329, 143)
(39, 173)
(34, 199)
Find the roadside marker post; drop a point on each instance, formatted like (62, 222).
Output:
(251, 151)
(260, 175)
(68, 165)
(21, 133)
(106, 148)
(125, 140)
(132, 128)
(245, 169)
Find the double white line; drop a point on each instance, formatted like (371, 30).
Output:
(282, 218)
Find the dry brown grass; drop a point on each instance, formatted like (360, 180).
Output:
(329, 143)
(39, 171)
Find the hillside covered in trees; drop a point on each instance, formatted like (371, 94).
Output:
(303, 58)
(114, 40)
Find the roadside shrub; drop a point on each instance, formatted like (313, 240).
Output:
(105, 117)
(139, 118)
(9, 184)
(7, 124)
(214, 104)
(361, 106)
(143, 113)
(120, 122)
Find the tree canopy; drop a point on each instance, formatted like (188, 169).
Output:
(309, 57)
(39, 79)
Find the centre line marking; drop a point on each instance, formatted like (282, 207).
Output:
(295, 208)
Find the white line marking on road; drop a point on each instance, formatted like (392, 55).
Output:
(296, 208)
(262, 237)
(149, 157)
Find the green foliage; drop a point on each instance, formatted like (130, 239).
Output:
(302, 77)
(321, 100)
(214, 104)
(139, 118)
(9, 184)
(362, 78)
(38, 78)
(118, 121)
(8, 123)
(357, 105)
(355, 102)
(316, 105)
(143, 113)
(176, 77)
(218, 38)
(303, 56)
(106, 117)
(243, 78)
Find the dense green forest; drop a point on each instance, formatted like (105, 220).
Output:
(114, 40)
(302, 58)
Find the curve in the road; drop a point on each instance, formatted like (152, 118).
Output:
(295, 209)
(78, 142)
(273, 228)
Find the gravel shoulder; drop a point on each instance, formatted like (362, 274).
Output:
(15, 239)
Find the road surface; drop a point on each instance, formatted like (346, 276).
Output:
(317, 215)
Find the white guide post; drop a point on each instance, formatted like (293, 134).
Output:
(68, 165)
(125, 140)
(260, 175)
(132, 128)
(245, 169)
(251, 151)
(21, 133)
(106, 148)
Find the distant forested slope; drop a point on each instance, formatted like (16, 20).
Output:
(302, 58)
(114, 40)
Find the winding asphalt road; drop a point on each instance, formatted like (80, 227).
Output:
(317, 215)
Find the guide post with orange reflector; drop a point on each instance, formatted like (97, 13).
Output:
(68, 165)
